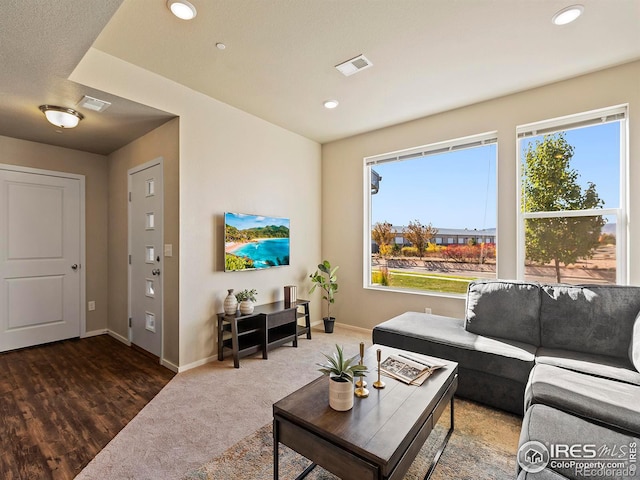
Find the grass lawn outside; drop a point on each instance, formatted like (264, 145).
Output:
(428, 281)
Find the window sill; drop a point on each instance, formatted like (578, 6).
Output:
(410, 291)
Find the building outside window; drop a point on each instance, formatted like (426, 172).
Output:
(430, 221)
(572, 225)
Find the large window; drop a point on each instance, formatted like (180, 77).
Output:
(572, 226)
(430, 221)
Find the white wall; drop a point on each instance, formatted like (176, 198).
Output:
(229, 161)
(342, 185)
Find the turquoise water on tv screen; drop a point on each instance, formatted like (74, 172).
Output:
(264, 251)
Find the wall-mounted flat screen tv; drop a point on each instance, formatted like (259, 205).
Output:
(254, 241)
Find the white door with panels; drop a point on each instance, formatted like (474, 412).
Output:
(146, 256)
(41, 245)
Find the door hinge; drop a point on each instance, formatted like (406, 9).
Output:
(129, 196)
(129, 322)
(129, 259)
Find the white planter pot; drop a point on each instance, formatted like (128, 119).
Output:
(340, 395)
(246, 307)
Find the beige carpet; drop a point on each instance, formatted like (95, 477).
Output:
(483, 446)
(203, 412)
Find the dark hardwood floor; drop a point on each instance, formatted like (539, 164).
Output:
(61, 403)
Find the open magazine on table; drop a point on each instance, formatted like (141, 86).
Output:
(413, 369)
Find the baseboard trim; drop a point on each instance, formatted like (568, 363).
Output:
(354, 328)
(197, 363)
(171, 366)
(119, 337)
(94, 333)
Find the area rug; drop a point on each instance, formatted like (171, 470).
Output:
(483, 446)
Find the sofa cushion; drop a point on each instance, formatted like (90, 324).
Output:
(634, 347)
(446, 337)
(594, 319)
(504, 309)
(549, 426)
(600, 399)
(608, 367)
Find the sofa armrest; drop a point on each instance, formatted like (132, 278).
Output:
(634, 346)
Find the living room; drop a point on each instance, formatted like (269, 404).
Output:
(217, 158)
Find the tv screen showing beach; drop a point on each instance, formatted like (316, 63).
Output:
(254, 241)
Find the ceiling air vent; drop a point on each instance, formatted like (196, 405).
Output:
(354, 65)
(94, 104)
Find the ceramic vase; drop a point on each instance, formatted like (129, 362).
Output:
(246, 307)
(230, 303)
(340, 394)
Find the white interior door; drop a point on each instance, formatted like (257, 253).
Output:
(146, 256)
(40, 250)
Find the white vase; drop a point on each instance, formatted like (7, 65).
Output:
(340, 395)
(246, 307)
(230, 303)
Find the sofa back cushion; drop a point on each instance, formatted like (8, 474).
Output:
(504, 309)
(596, 319)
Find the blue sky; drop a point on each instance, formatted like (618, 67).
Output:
(452, 190)
(596, 156)
(458, 189)
(243, 221)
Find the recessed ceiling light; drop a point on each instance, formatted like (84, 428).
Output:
(60, 116)
(331, 104)
(182, 9)
(567, 15)
(221, 46)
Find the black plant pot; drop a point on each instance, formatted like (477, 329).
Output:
(328, 324)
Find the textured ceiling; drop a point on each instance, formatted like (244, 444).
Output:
(41, 42)
(428, 56)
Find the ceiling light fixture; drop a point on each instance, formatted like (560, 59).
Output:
(567, 15)
(61, 117)
(182, 9)
(330, 104)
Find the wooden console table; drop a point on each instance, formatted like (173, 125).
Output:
(268, 327)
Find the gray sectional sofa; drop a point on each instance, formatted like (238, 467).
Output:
(567, 357)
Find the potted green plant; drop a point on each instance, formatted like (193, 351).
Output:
(246, 298)
(341, 372)
(325, 278)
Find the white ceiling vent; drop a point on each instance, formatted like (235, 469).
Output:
(354, 65)
(94, 104)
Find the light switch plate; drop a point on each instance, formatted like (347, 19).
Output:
(168, 250)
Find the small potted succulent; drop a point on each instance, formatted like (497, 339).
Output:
(341, 372)
(246, 298)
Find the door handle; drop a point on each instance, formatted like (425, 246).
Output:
(155, 271)
(74, 266)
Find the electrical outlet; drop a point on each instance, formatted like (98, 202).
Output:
(427, 310)
(92, 306)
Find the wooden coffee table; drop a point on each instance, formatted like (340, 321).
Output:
(379, 438)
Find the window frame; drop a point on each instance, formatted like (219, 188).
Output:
(369, 163)
(572, 122)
